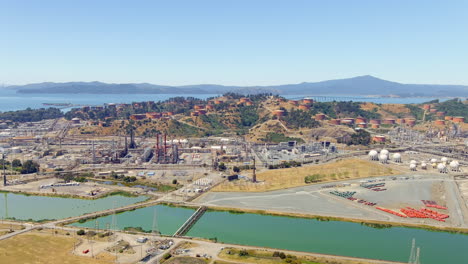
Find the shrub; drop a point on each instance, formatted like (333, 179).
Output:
(282, 255)
(243, 253)
(80, 232)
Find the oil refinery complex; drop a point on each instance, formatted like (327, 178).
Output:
(166, 167)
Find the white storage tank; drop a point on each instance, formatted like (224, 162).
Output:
(424, 166)
(412, 167)
(384, 152)
(444, 160)
(373, 155)
(397, 157)
(442, 168)
(454, 165)
(383, 158)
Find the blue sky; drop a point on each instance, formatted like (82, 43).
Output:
(240, 42)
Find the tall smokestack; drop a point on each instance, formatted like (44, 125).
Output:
(165, 147)
(157, 148)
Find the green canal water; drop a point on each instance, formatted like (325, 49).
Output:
(301, 234)
(25, 207)
(168, 219)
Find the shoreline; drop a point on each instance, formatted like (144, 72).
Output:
(73, 196)
(234, 210)
(369, 223)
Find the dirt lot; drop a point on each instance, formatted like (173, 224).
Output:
(185, 260)
(316, 200)
(464, 190)
(42, 248)
(294, 177)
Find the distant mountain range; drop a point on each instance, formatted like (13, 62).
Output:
(361, 85)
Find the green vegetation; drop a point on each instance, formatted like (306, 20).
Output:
(376, 225)
(29, 166)
(278, 137)
(353, 109)
(261, 256)
(416, 111)
(222, 166)
(312, 178)
(136, 229)
(342, 109)
(16, 163)
(248, 115)
(296, 119)
(31, 115)
(361, 137)
(216, 127)
(285, 164)
(454, 107)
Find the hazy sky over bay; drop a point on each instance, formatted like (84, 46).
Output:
(241, 42)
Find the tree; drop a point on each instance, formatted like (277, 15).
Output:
(29, 166)
(16, 163)
(222, 167)
(174, 181)
(243, 252)
(362, 137)
(236, 169)
(80, 232)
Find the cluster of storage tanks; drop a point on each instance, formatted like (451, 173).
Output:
(383, 156)
(442, 166)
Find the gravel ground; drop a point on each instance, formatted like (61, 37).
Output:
(314, 199)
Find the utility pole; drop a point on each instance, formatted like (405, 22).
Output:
(254, 176)
(4, 173)
(94, 153)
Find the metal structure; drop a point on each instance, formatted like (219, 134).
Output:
(165, 153)
(414, 255)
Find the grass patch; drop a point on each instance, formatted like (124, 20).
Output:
(299, 176)
(44, 248)
(261, 257)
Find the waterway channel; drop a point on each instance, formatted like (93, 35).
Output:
(301, 234)
(25, 207)
(168, 219)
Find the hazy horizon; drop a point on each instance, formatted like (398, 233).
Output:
(242, 43)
